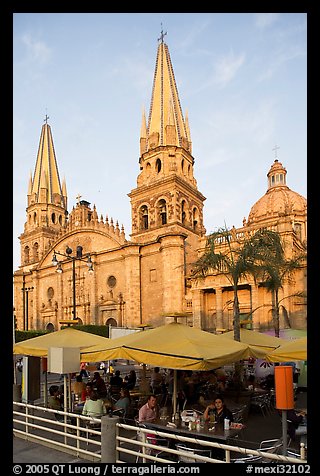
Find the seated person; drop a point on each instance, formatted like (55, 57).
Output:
(297, 426)
(219, 410)
(150, 410)
(55, 401)
(116, 380)
(94, 406)
(130, 380)
(124, 402)
(99, 385)
(156, 380)
(78, 387)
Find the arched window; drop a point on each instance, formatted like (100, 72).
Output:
(182, 165)
(158, 165)
(35, 251)
(144, 218)
(148, 169)
(26, 254)
(162, 207)
(183, 212)
(195, 218)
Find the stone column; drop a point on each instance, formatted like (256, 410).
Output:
(219, 308)
(108, 438)
(197, 297)
(172, 253)
(255, 307)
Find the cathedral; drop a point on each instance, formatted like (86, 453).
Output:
(79, 265)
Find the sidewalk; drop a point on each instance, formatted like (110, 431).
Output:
(29, 452)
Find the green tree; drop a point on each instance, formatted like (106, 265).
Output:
(237, 259)
(273, 273)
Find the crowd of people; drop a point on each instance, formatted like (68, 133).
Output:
(102, 393)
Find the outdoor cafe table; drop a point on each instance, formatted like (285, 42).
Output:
(218, 434)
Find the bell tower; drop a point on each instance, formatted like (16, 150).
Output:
(166, 198)
(46, 203)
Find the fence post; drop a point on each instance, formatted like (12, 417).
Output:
(108, 438)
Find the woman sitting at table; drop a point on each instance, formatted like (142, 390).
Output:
(94, 406)
(124, 402)
(219, 410)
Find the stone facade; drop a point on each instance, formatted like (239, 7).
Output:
(145, 280)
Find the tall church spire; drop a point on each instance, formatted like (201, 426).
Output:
(165, 108)
(166, 198)
(46, 175)
(47, 203)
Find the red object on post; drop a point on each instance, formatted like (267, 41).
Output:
(44, 361)
(283, 379)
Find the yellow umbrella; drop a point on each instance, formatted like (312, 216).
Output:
(68, 337)
(173, 345)
(294, 350)
(259, 344)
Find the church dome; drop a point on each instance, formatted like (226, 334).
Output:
(279, 200)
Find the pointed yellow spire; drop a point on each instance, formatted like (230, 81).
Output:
(165, 108)
(143, 133)
(46, 173)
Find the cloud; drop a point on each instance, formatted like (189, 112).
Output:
(37, 51)
(227, 67)
(264, 20)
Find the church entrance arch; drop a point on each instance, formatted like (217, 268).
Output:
(50, 327)
(111, 322)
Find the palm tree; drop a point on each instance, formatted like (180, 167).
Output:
(274, 272)
(236, 259)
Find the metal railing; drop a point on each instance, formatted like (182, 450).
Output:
(116, 441)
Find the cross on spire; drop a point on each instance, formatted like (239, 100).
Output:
(46, 119)
(78, 197)
(276, 147)
(162, 35)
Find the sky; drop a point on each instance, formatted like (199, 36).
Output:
(241, 77)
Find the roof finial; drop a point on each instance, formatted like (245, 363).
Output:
(276, 147)
(162, 35)
(46, 118)
(78, 197)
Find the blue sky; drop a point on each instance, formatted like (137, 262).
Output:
(241, 77)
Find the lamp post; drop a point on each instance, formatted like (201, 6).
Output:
(26, 292)
(70, 257)
(73, 258)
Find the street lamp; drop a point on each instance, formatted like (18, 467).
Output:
(77, 257)
(26, 292)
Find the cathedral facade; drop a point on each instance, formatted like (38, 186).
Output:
(80, 264)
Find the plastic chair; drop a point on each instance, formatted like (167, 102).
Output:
(191, 451)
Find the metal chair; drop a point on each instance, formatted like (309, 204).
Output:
(259, 402)
(268, 446)
(153, 440)
(183, 458)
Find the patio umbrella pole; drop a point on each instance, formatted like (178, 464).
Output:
(174, 397)
(284, 431)
(65, 390)
(45, 389)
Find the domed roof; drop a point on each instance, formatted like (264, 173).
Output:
(279, 200)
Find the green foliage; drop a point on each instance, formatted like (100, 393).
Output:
(24, 335)
(92, 329)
